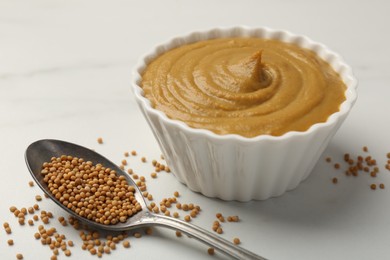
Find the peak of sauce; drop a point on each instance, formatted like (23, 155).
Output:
(244, 86)
(251, 74)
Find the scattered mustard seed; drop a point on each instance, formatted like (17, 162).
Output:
(10, 242)
(210, 251)
(236, 241)
(373, 186)
(31, 183)
(149, 231)
(19, 256)
(100, 140)
(382, 186)
(126, 244)
(8, 230)
(334, 180)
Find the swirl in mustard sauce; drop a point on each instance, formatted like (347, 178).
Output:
(244, 86)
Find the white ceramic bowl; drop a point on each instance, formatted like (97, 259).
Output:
(233, 167)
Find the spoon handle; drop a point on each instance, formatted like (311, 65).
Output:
(202, 235)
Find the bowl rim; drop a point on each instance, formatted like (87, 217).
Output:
(344, 70)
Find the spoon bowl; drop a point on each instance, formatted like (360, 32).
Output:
(43, 150)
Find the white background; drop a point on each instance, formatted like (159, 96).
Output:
(65, 68)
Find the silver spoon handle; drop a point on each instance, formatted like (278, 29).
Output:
(202, 235)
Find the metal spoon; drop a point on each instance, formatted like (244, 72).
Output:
(41, 151)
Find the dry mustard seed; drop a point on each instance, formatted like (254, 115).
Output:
(236, 241)
(373, 186)
(53, 257)
(328, 159)
(38, 197)
(143, 159)
(124, 162)
(12, 209)
(133, 153)
(126, 244)
(122, 167)
(96, 185)
(149, 231)
(210, 251)
(219, 230)
(193, 214)
(382, 186)
(10, 242)
(365, 149)
(8, 230)
(137, 235)
(31, 183)
(337, 166)
(153, 175)
(92, 251)
(31, 210)
(5, 224)
(19, 256)
(30, 222)
(187, 218)
(37, 235)
(126, 154)
(178, 233)
(130, 171)
(334, 180)
(175, 214)
(67, 252)
(36, 206)
(100, 140)
(70, 243)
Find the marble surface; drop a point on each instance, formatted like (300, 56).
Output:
(65, 68)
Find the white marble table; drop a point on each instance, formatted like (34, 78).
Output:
(65, 68)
